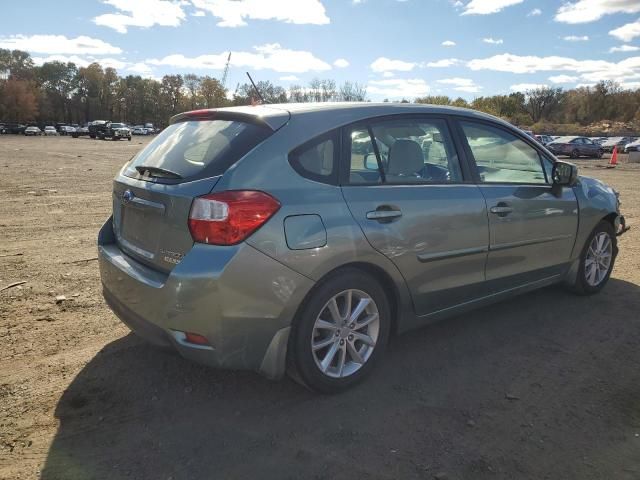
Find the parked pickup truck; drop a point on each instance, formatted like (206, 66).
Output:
(115, 131)
(104, 129)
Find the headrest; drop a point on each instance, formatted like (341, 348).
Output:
(405, 158)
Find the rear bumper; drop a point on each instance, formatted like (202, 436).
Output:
(241, 300)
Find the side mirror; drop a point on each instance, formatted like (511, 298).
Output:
(564, 174)
(370, 161)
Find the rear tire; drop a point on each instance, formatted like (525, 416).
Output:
(574, 154)
(340, 332)
(596, 260)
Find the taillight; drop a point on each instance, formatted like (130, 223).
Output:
(227, 218)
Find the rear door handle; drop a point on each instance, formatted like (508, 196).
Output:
(502, 209)
(383, 215)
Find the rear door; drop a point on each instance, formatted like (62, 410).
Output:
(414, 200)
(590, 148)
(533, 224)
(153, 193)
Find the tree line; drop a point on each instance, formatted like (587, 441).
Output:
(63, 92)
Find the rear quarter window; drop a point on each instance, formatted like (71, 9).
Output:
(199, 149)
(317, 159)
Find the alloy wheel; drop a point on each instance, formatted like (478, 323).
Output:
(345, 333)
(598, 259)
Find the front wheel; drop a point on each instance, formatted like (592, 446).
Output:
(340, 332)
(574, 154)
(597, 260)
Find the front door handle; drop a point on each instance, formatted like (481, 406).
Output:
(501, 209)
(383, 215)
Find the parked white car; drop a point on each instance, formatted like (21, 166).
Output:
(632, 147)
(50, 131)
(32, 131)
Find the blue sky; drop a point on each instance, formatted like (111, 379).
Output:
(397, 48)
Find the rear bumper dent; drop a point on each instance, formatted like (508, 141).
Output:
(241, 300)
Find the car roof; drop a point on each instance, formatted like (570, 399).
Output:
(338, 113)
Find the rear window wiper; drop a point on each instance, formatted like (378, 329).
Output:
(157, 172)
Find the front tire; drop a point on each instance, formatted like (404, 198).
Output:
(596, 260)
(340, 332)
(574, 154)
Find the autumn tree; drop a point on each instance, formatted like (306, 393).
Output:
(18, 100)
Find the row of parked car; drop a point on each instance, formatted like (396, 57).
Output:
(97, 129)
(595, 147)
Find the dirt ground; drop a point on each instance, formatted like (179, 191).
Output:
(545, 386)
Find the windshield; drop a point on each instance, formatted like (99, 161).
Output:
(199, 149)
(117, 125)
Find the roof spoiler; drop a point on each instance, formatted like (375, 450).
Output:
(272, 118)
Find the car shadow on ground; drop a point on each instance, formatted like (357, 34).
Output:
(545, 385)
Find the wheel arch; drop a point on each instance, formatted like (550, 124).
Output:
(379, 274)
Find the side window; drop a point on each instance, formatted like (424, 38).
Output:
(405, 151)
(316, 159)
(548, 168)
(501, 157)
(363, 164)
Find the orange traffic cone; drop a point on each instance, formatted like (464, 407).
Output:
(614, 158)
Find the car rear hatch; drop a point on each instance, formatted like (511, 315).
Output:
(153, 194)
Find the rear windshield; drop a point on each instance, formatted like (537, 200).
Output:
(199, 149)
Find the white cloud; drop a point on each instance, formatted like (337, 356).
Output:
(588, 70)
(584, 11)
(388, 74)
(270, 57)
(507, 62)
(461, 84)
(563, 79)
(448, 43)
(234, 13)
(486, 7)
(624, 48)
(576, 38)
(444, 63)
(141, 68)
(630, 85)
(341, 63)
(51, 44)
(81, 61)
(398, 88)
(627, 32)
(289, 78)
(534, 13)
(383, 64)
(141, 13)
(493, 41)
(523, 87)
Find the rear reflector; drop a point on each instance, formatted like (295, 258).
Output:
(227, 218)
(195, 339)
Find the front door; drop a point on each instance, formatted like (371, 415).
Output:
(532, 223)
(404, 185)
